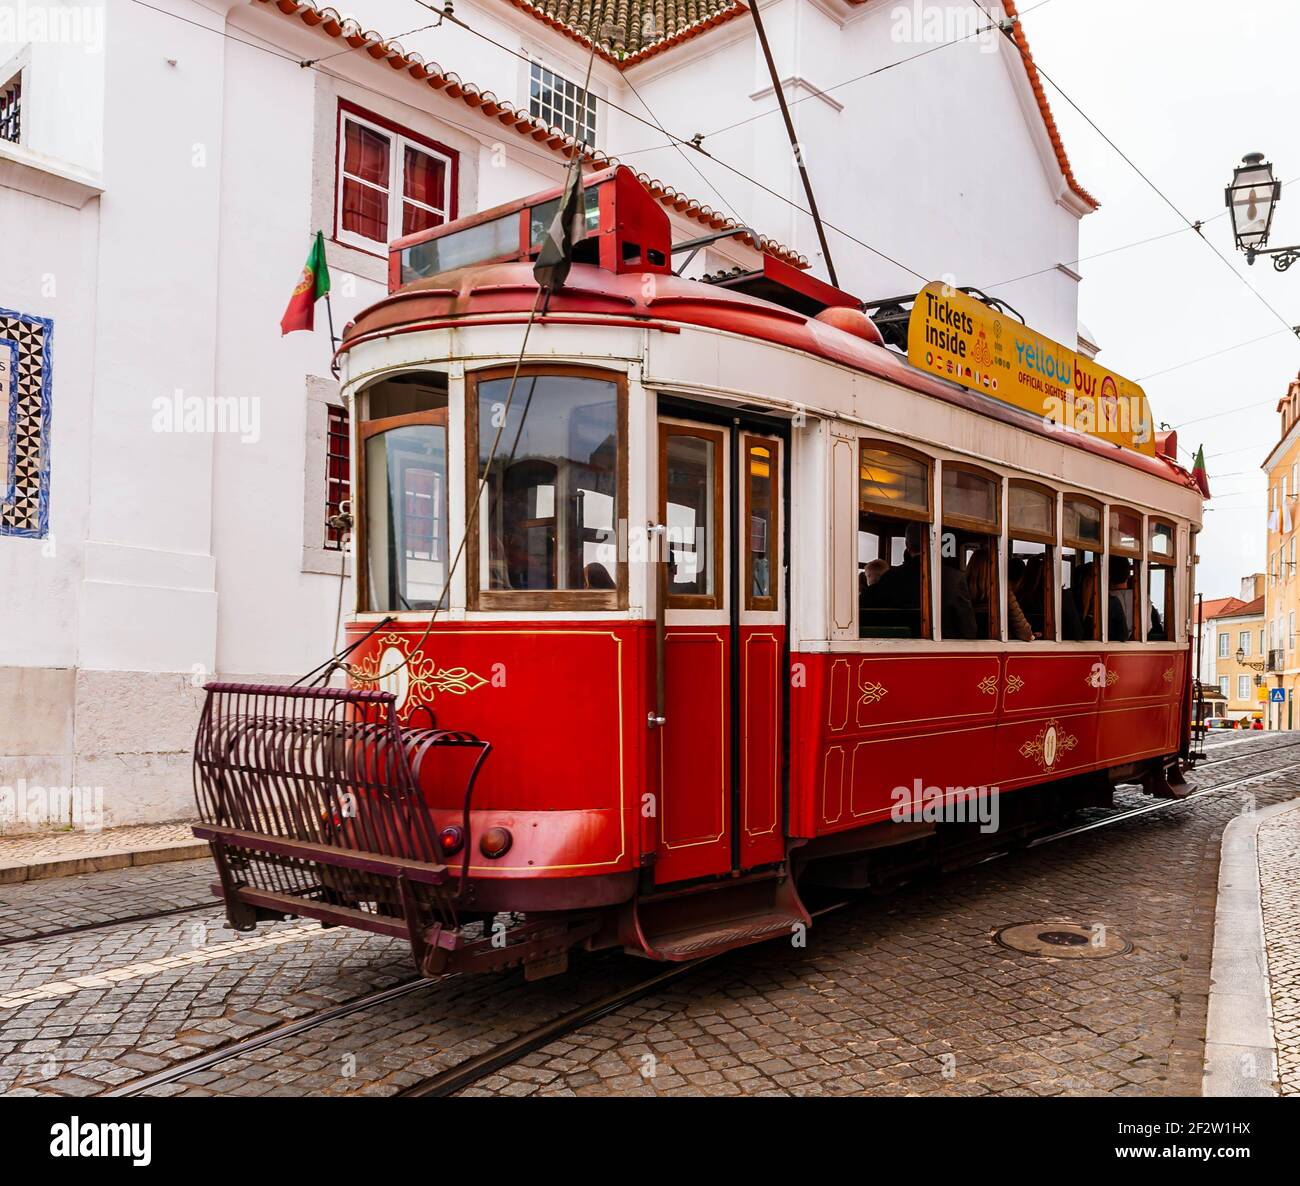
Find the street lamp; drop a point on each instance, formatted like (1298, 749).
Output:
(1251, 199)
(1241, 662)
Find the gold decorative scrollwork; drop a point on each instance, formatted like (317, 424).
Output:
(415, 678)
(988, 685)
(1167, 675)
(1014, 684)
(1048, 745)
(872, 693)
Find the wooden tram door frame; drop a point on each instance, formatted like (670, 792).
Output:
(723, 749)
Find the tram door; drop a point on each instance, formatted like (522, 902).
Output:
(721, 795)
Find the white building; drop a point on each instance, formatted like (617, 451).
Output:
(163, 168)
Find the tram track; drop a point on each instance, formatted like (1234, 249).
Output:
(473, 1070)
(82, 928)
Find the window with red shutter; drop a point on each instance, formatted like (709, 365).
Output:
(391, 182)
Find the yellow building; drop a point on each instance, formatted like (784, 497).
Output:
(1282, 595)
(1239, 665)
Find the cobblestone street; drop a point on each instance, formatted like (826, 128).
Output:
(901, 993)
(1279, 868)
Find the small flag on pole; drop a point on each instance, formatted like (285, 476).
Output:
(1198, 473)
(552, 266)
(314, 284)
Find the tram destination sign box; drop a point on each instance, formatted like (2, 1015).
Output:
(956, 337)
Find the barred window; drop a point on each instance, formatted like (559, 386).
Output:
(562, 104)
(11, 109)
(338, 475)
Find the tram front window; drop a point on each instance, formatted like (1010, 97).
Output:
(403, 447)
(549, 514)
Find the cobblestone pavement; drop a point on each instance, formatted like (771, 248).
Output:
(35, 907)
(1279, 876)
(901, 993)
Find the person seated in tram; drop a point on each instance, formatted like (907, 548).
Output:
(1029, 591)
(956, 605)
(1085, 599)
(979, 580)
(1157, 631)
(893, 600)
(1117, 618)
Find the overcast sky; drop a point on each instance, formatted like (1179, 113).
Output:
(1185, 88)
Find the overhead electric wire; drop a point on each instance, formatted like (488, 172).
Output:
(684, 144)
(819, 92)
(1128, 160)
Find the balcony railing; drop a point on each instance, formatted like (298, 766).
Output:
(1277, 660)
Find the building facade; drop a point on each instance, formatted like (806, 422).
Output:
(173, 460)
(1282, 600)
(1230, 643)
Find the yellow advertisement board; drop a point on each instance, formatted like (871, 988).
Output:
(956, 337)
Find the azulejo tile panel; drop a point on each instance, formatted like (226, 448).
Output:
(26, 386)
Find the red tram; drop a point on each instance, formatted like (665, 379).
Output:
(661, 619)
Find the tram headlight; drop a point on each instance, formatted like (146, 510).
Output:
(451, 838)
(496, 842)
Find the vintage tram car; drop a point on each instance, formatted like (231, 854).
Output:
(737, 575)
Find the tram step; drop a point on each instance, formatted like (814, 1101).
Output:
(684, 927)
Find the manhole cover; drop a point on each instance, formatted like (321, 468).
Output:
(1063, 940)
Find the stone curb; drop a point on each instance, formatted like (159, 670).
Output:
(1240, 1052)
(157, 854)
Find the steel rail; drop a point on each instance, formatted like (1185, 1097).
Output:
(82, 927)
(473, 1070)
(266, 1037)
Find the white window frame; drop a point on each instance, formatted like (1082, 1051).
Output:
(397, 144)
(1243, 641)
(1223, 686)
(1243, 687)
(16, 69)
(569, 92)
(1224, 641)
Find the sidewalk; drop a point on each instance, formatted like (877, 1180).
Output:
(1279, 875)
(1252, 1041)
(62, 854)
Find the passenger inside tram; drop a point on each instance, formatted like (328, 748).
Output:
(1118, 617)
(1079, 622)
(891, 604)
(956, 605)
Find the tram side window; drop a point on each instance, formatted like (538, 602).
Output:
(1031, 528)
(549, 515)
(1123, 607)
(968, 555)
(1080, 570)
(894, 517)
(1160, 582)
(403, 492)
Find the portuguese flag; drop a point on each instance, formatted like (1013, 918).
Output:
(1198, 472)
(314, 284)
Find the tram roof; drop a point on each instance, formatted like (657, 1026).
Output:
(506, 292)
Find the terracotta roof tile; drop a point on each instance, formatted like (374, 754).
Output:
(489, 106)
(1217, 607)
(640, 28)
(1036, 82)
